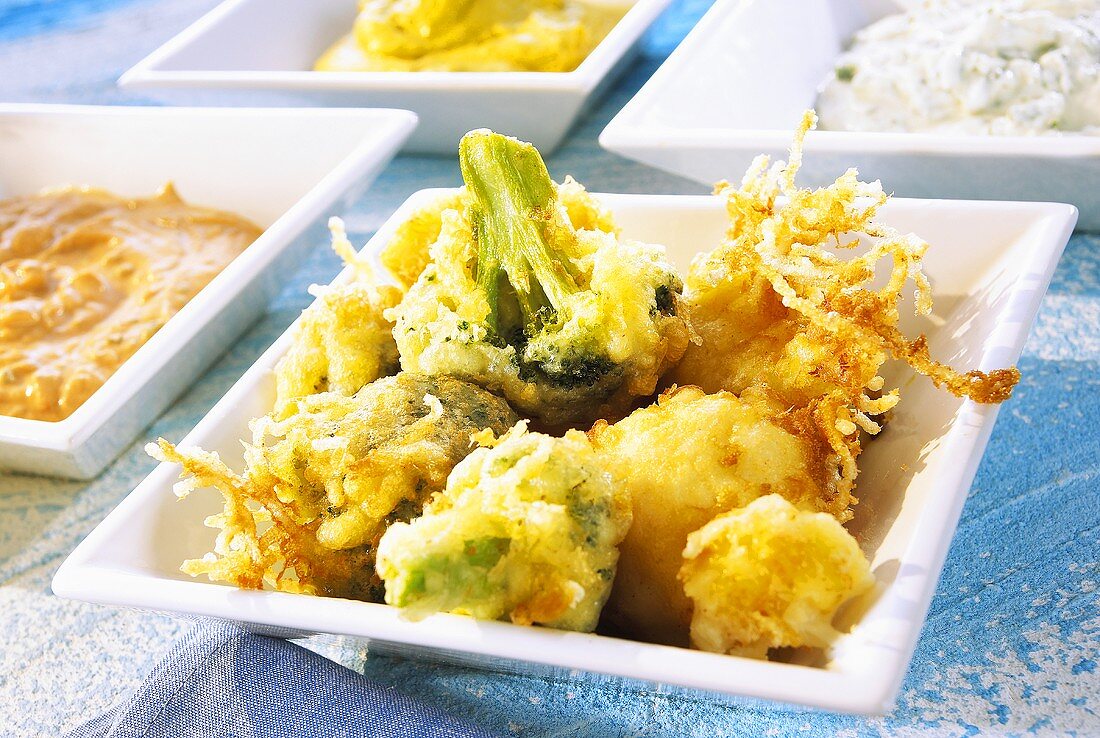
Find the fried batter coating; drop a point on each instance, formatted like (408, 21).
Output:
(770, 575)
(406, 254)
(566, 322)
(774, 307)
(525, 530)
(342, 341)
(330, 474)
(687, 459)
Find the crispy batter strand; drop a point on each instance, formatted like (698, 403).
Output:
(784, 246)
(327, 478)
(244, 556)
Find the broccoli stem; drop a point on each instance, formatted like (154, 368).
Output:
(517, 236)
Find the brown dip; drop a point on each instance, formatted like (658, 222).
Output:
(86, 277)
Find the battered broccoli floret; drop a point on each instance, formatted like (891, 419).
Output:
(528, 285)
(526, 530)
(566, 322)
(330, 473)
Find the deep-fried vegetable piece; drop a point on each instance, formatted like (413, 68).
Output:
(406, 254)
(525, 530)
(773, 306)
(683, 461)
(342, 342)
(519, 300)
(770, 575)
(330, 474)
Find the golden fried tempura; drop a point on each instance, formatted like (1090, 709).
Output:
(687, 459)
(779, 314)
(568, 324)
(342, 341)
(525, 530)
(774, 308)
(406, 253)
(770, 575)
(330, 474)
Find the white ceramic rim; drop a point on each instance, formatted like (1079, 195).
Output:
(159, 350)
(587, 75)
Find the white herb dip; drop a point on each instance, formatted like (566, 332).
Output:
(1003, 67)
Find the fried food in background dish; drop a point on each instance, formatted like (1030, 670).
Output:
(770, 575)
(471, 36)
(683, 461)
(525, 530)
(329, 476)
(569, 324)
(342, 341)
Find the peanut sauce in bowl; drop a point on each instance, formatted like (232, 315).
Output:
(87, 277)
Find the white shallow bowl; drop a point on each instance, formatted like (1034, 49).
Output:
(738, 84)
(261, 52)
(990, 267)
(280, 168)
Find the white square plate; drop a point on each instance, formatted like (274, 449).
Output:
(990, 265)
(280, 168)
(739, 82)
(261, 52)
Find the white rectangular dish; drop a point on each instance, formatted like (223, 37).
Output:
(282, 169)
(739, 82)
(990, 265)
(261, 52)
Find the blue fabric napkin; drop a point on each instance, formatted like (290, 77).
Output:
(220, 681)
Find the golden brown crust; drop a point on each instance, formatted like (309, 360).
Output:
(769, 575)
(327, 478)
(692, 456)
(775, 307)
(985, 387)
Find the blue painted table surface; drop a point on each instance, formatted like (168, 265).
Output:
(1013, 637)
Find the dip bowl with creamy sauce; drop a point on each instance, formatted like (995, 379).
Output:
(471, 36)
(113, 300)
(979, 67)
(527, 68)
(87, 277)
(991, 114)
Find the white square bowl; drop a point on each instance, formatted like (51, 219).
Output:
(280, 168)
(738, 83)
(990, 265)
(261, 52)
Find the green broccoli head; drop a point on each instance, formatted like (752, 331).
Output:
(527, 530)
(522, 269)
(351, 466)
(512, 212)
(525, 297)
